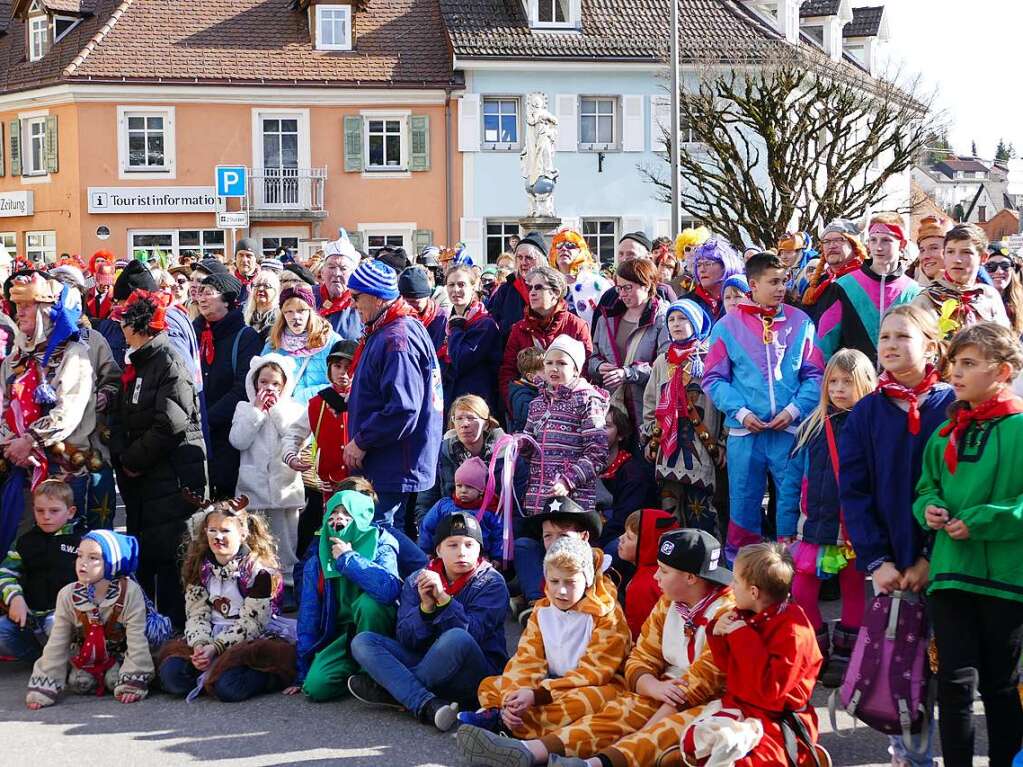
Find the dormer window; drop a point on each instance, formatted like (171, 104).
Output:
(38, 36)
(551, 11)
(554, 14)
(333, 27)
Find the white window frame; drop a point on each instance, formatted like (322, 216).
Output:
(615, 144)
(504, 223)
(75, 21)
(205, 250)
(33, 28)
(321, 10)
(572, 13)
(404, 230)
(45, 249)
(299, 233)
(614, 235)
(501, 146)
(9, 240)
(403, 139)
(169, 168)
(129, 239)
(29, 167)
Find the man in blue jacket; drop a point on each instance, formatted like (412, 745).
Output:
(395, 408)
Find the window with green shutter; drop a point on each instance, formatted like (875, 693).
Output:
(15, 147)
(354, 162)
(419, 130)
(2, 152)
(357, 240)
(422, 238)
(51, 144)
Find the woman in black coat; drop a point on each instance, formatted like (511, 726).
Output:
(157, 447)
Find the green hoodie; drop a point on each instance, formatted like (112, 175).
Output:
(360, 533)
(986, 493)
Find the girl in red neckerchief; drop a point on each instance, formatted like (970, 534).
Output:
(681, 428)
(969, 499)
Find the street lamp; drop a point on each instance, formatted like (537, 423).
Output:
(673, 145)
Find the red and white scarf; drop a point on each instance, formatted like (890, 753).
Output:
(674, 403)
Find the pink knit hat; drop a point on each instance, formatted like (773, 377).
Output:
(473, 473)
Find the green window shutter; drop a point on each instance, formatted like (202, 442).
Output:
(353, 144)
(15, 147)
(357, 240)
(2, 146)
(422, 238)
(51, 144)
(419, 131)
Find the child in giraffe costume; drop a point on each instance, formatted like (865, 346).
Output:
(569, 660)
(670, 674)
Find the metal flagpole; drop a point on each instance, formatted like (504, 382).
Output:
(674, 142)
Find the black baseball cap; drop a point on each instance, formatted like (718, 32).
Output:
(458, 523)
(694, 551)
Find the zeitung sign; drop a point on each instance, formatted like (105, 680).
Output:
(152, 199)
(16, 204)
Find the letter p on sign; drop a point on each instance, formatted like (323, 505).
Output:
(231, 180)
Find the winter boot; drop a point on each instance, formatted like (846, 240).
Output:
(843, 641)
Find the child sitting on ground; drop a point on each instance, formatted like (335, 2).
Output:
(99, 627)
(450, 632)
(768, 652)
(625, 485)
(638, 545)
(524, 389)
(234, 647)
(567, 662)
(41, 563)
(670, 674)
(352, 585)
(470, 484)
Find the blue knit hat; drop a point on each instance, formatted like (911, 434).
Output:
(696, 315)
(737, 281)
(375, 278)
(120, 552)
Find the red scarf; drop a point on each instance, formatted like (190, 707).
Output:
(395, 311)
(887, 384)
(696, 616)
(814, 292)
(474, 312)
(965, 298)
(619, 461)
(452, 589)
(674, 402)
(520, 285)
(428, 313)
(206, 348)
(330, 306)
(713, 303)
(758, 311)
(246, 281)
(1002, 404)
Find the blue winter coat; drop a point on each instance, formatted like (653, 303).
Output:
(317, 611)
(520, 395)
(633, 487)
(438, 328)
(224, 387)
(395, 408)
(314, 369)
(491, 524)
(479, 608)
(451, 456)
(180, 333)
(474, 355)
(808, 501)
(880, 464)
(506, 306)
(346, 323)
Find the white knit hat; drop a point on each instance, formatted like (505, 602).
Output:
(568, 345)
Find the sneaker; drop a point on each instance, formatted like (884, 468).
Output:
(362, 687)
(486, 719)
(485, 749)
(440, 713)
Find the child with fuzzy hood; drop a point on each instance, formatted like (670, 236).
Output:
(260, 430)
(99, 627)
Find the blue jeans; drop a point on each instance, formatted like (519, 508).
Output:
(529, 554)
(452, 668)
(390, 509)
(22, 643)
(897, 748)
(178, 677)
(410, 556)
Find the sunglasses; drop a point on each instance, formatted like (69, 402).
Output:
(998, 266)
(539, 287)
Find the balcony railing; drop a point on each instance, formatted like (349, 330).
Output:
(287, 189)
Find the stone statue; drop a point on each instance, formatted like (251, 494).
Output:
(537, 156)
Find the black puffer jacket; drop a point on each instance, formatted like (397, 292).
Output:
(157, 435)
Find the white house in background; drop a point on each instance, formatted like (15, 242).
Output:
(962, 185)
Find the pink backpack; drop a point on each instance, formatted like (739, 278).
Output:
(888, 684)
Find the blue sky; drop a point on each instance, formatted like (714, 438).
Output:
(969, 52)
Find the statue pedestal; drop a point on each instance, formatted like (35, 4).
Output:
(547, 225)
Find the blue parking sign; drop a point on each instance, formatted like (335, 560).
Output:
(231, 180)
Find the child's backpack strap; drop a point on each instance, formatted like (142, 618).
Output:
(234, 350)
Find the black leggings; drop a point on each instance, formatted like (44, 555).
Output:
(979, 639)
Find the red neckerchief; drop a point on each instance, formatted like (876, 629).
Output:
(452, 589)
(520, 285)
(329, 306)
(471, 505)
(761, 312)
(619, 461)
(887, 384)
(246, 281)
(713, 303)
(428, 313)
(206, 349)
(814, 292)
(674, 402)
(966, 298)
(1002, 404)
(128, 376)
(542, 324)
(93, 657)
(696, 616)
(395, 311)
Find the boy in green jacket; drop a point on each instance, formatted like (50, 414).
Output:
(971, 494)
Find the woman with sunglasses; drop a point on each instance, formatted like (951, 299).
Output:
(571, 256)
(261, 307)
(1004, 271)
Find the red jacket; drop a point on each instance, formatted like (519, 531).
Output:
(771, 667)
(534, 330)
(330, 428)
(642, 592)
